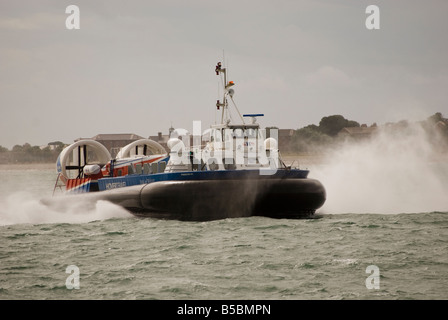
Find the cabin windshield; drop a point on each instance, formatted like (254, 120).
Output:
(252, 133)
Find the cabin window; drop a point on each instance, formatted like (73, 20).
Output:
(238, 133)
(229, 164)
(227, 134)
(252, 161)
(252, 133)
(216, 136)
(212, 164)
(154, 167)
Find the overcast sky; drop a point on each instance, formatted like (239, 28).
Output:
(139, 66)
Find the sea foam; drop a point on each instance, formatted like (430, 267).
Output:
(25, 207)
(395, 171)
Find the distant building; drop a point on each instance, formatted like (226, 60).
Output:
(114, 141)
(162, 139)
(284, 139)
(361, 132)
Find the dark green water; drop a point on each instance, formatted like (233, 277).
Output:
(122, 257)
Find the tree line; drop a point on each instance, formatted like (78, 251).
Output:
(309, 139)
(31, 154)
(319, 138)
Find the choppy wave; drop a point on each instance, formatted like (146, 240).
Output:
(242, 258)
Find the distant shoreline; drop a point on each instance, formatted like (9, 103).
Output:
(27, 166)
(289, 159)
(301, 160)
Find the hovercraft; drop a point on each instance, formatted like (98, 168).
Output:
(231, 170)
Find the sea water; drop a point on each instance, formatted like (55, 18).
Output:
(382, 234)
(119, 256)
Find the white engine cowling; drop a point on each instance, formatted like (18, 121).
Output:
(91, 169)
(173, 142)
(76, 157)
(141, 148)
(270, 144)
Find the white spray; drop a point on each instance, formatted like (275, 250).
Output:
(393, 172)
(24, 207)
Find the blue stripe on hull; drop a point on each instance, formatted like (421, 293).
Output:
(132, 180)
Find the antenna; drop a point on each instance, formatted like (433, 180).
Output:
(223, 58)
(227, 92)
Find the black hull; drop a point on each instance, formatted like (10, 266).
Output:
(219, 199)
